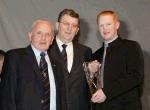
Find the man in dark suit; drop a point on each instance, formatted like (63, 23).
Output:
(28, 81)
(123, 67)
(76, 89)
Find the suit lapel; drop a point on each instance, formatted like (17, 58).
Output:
(75, 57)
(32, 59)
(56, 55)
(54, 51)
(36, 71)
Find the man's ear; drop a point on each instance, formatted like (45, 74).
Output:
(29, 36)
(77, 31)
(118, 24)
(57, 26)
(52, 40)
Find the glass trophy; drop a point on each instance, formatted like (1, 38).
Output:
(93, 78)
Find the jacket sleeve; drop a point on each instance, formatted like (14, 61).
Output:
(9, 83)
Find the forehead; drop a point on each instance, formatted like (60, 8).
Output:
(42, 26)
(106, 18)
(68, 18)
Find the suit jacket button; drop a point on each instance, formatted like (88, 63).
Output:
(42, 101)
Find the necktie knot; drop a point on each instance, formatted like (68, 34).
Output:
(42, 54)
(43, 63)
(64, 46)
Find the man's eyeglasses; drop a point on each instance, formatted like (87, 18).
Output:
(68, 24)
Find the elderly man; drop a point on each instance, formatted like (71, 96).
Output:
(30, 77)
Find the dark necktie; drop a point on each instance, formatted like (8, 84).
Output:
(64, 53)
(45, 80)
(102, 65)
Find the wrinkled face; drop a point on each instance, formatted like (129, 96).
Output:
(67, 28)
(108, 27)
(41, 36)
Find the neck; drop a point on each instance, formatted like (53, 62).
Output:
(111, 40)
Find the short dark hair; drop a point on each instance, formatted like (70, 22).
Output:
(2, 53)
(69, 12)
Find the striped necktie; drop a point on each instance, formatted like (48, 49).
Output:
(45, 79)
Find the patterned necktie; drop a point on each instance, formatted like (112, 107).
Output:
(102, 66)
(45, 79)
(64, 53)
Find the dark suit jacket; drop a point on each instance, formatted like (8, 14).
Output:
(123, 75)
(21, 87)
(75, 85)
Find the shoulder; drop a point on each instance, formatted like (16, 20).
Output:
(98, 51)
(132, 49)
(130, 44)
(87, 51)
(83, 50)
(13, 57)
(97, 55)
(15, 52)
(81, 46)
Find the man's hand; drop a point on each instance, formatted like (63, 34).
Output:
(98, 96)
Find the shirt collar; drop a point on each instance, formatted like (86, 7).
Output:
(60, 43)
(36, 51)
(109, 41)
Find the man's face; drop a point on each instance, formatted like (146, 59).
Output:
(67, 28)
(108, 27)
(41, 36)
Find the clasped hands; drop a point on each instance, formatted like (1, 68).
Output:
(99, 96)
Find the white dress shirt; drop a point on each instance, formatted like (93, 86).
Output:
(51, 77)
(69, 50)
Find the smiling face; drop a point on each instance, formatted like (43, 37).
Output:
(41, 36)
(67, 28)
(108, 26)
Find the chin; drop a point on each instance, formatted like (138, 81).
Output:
(44, 49)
